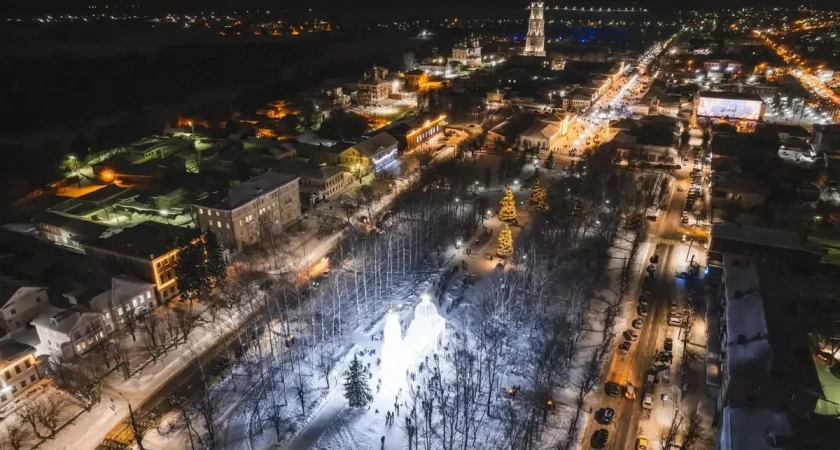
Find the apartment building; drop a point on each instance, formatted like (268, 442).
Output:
(266, 202)
(21, 302)
(147, 251)
(18, 370)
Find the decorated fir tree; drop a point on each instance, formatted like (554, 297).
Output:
(539, 196)
(356, 389)
(504, 248)
(507, 207)
(549, 162)
(216, 262)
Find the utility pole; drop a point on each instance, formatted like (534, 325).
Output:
(135, 425)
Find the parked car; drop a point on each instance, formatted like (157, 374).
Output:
(669, 344)
(605, 416)
(599, 439)
(612, 389)
(624, 347)
(643, 300)
(638, 323)
(674, 321)
(631, 335)
(647, 401)
(643, 310)
(641, 443)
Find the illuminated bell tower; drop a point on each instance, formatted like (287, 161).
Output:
(535, 40)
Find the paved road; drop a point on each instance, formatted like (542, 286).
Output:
(664, 237)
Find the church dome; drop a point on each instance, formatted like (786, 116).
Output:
(425, 309)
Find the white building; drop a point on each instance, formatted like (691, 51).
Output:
(271, 199)
(18, 370)
(535, 40)
(21, 302)
(467, 53)
(380, 150)
(93, 312)
(546, 133)
(68, 332)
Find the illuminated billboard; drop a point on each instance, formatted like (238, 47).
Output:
(732, 108)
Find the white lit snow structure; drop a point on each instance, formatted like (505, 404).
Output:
(394, 357)
(426, 331)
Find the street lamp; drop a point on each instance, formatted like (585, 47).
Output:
(458, 243)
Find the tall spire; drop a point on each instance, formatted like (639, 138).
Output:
(535, 40)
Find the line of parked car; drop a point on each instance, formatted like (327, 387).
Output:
(696, 190)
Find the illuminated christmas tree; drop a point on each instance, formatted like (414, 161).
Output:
(539, 196)
(507, 207)
(504, 248)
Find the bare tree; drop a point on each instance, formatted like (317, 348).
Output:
(81, 378)
(668, 436)
(155, 336)
(28, 415)
(16, 437)
(695, 434)
(48, 413)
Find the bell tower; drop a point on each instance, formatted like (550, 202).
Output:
(535, 40)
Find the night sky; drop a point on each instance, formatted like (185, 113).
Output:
(10, 7)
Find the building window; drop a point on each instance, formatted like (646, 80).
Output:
(8, 375)
(148, 295)
(134, 302)
(219, 223)
(3, 397)
(32, 377)
(23, 384)
(13, 312)
(28, 364)
(17, 370)
(756, 387)
(107, 316)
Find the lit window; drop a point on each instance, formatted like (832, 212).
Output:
(148, 294)
(200, 211)
(219, 223)
(134, 302)
(107, 316)
(120, 311)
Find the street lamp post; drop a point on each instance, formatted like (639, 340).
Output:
(135, 425)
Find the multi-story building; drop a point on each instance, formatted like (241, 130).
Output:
(766, 243)
(722, 65)
(21, 302)
(413, 132)
(147, 251)
(68, 232)
(579, 99)
(160, 149)
(374, 88)
(535, 40)
(765, 358)
(438, 69)
(467, 53)
(324, 183)
(121, 299)
(414, 79)
(18, 370)
(262, 204)
(376, 152)
(545, 133)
